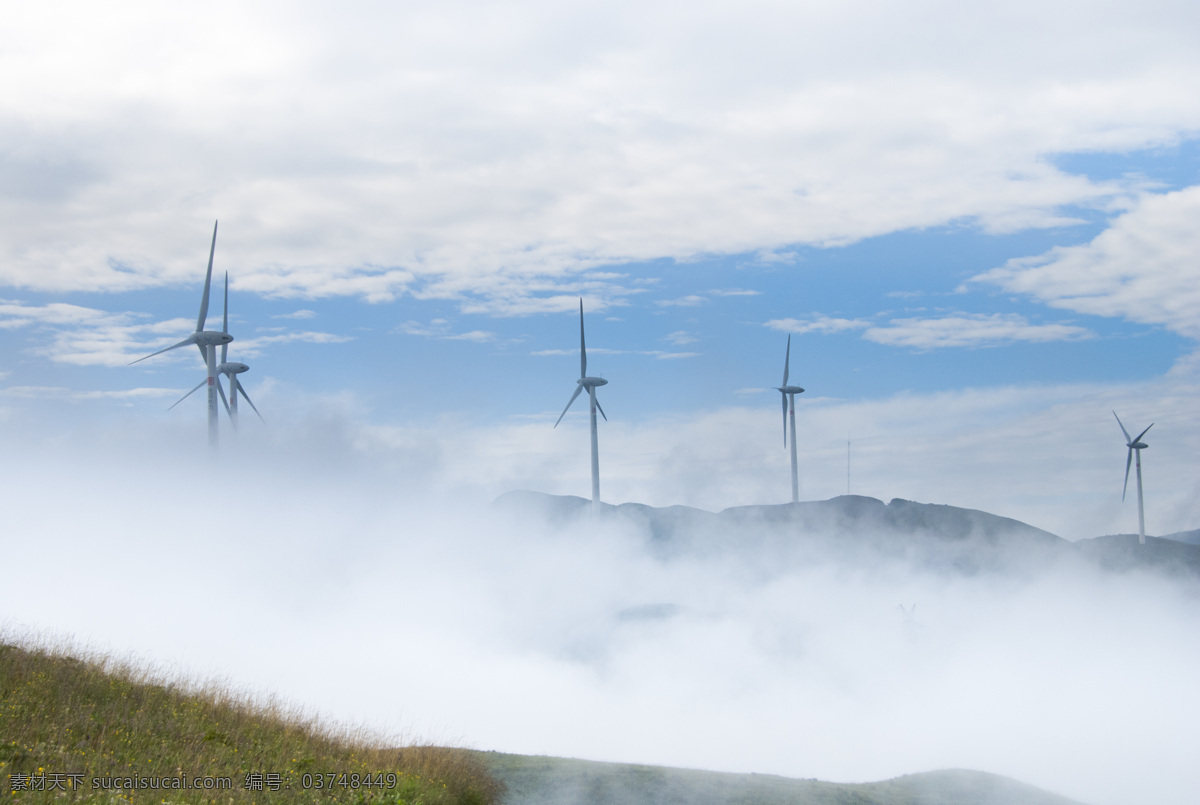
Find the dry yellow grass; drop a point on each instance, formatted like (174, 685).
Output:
(99, 730)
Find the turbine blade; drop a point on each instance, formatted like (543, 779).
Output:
(582, 345)
(189, 394)
(1128, 461)
(225, 321)
(787, 359)
(1127, 439)
(578, 389)
(598, 408)
(207, 283)
(1143, 433)
(189, 340)
(221, 391)
(242, 389)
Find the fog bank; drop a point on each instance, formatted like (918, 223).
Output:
(365, 593)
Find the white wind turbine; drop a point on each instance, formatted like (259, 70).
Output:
(589, 383)
(206, 341)
(1136, 446)
(231, 370)
(789, 395)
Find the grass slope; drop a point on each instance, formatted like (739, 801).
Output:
(561, 781)
(99, 719)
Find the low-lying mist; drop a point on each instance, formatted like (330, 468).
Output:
(373, 595)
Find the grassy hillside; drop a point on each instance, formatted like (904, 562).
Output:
(101, 728)
(560, 781)
(116, 727)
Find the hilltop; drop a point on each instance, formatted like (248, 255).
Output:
(562, 781)
(865, 531)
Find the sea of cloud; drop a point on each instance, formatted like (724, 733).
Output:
(363, 572)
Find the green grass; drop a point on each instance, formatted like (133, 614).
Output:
(98, 718)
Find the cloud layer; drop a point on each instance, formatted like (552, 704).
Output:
(490, 153)
(372, 593)
(1143, 268)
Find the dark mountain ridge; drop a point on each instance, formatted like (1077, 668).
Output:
(863, 531)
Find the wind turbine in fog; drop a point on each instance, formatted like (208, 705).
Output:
(206, 341)
(789, 395)
(230, 369)
(1135, 447)
(589, 383)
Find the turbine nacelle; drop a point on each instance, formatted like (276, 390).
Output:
(232, 368)
(790, 389)
(591, 382)
(214, 338)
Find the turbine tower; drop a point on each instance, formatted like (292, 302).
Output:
(789, 395)
(589, 383)
(206, 341)
(1135, 447)
(231, 370)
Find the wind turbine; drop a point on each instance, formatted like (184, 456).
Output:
(789, 395)
(589, 383)
(1135, 446)
(231, 370)
(206, 341)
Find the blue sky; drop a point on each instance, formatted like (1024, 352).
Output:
(410, 208)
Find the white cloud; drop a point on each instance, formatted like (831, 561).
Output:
(1144, 267)
(15, 314)
(681, 337)
(83, 336)
(817, 324)
(299, 314)
(90, 337)
(440, 328)
(691, 300)
(477, 336)
(254, 347)
(550, 143)
(58, 392)
(416, 328)
(970, 330)
(652, 353)
(734, 292)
